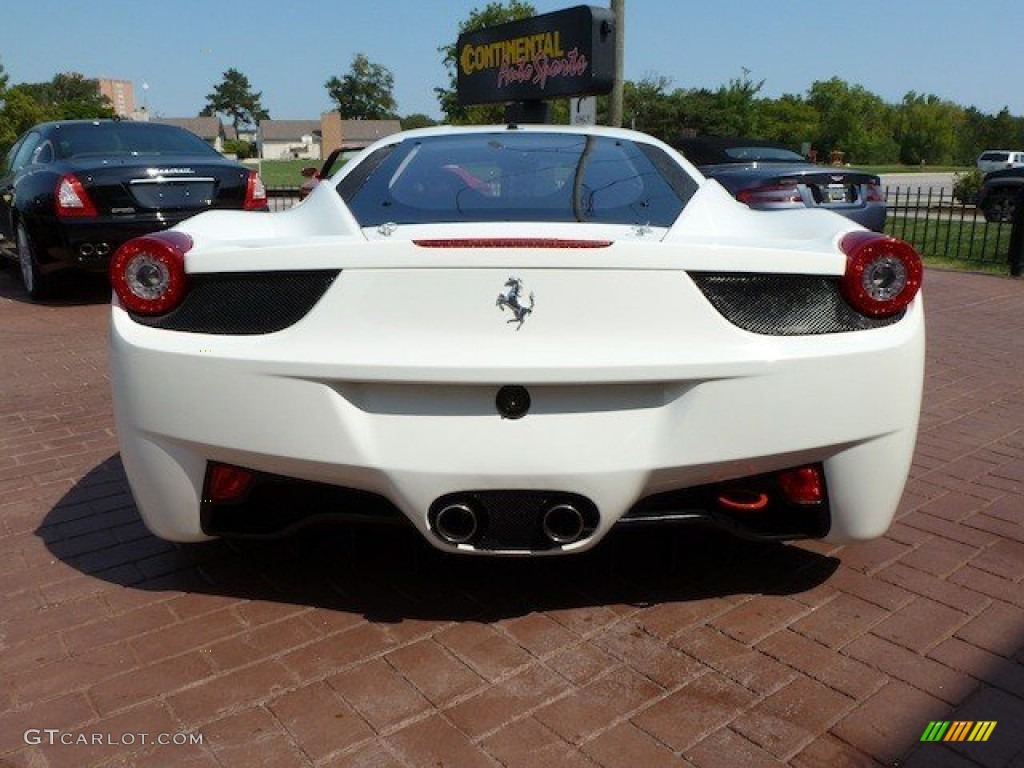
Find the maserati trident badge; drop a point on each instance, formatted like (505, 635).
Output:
(510, 298)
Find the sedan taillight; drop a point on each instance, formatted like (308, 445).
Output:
(148, 273)
(883, 274)
(875, 194)
(770, 194)
(255, 193)
(71, 200)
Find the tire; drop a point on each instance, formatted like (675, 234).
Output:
(998, 206)
(37, 285)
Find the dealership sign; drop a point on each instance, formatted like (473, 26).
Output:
(560, 54)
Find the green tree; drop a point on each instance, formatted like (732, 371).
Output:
(737, 106)
(853, 121)
(71, 96)
(648, 107)
(417, 120)
(235, 98)
(365, 93)
(789, 120)
(1004, 131)
(980, 131)
(927, 128)
(20, 111)
(67, 96)
(493, 13)
(696, 111)
(240, 148)
(971, 139)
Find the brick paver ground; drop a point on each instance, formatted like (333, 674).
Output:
(365, 649)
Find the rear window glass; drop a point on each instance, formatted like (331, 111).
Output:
(100, 139)
(511, 176)
(763, 155)
(996, 156)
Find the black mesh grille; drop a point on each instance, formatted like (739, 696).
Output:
(784, 305)
(244, 303)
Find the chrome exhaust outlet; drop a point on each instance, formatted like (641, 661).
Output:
(456, 523)
(85, 250)
(563, 523)
(102, 249)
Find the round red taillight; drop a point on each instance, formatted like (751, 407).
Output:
(148, 273)
(883, 274)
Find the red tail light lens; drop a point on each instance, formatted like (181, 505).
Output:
(883, 274)
(255, 193)
(148, 273)
(225, 482)
(71, 199)
(804, 485)
(770, 194)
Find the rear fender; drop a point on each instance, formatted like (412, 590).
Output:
(323, 213)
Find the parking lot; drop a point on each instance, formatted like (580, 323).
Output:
(367, 648)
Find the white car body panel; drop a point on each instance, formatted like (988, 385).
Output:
(387, 385)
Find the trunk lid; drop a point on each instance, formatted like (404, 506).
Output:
(827, 187)
(126, 186)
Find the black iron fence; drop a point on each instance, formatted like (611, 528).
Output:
(946, 230)
(941, 228)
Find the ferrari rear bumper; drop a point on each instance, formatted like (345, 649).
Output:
(611, 424)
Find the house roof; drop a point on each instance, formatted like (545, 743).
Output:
(208, 128)
(356, 134)
(287, 130)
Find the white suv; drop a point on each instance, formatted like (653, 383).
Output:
(997, 159)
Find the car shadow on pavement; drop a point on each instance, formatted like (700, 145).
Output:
(68, 290)
(390, 574)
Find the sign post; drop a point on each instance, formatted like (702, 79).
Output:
(583, 110)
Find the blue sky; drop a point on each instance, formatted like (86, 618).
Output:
(969, 53)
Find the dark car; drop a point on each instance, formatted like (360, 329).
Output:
(998, 195)
(769, 176)
(71, 192)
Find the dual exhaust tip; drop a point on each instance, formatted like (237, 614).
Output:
(457, 523)
(461, 523)
(88, 250)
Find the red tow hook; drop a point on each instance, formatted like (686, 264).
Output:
(740, 500)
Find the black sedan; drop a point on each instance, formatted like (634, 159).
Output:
(71, 192)
(769, 176)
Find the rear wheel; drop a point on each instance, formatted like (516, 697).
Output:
(999, 205)
(36, 284)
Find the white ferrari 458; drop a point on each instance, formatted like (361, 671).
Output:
(515, 339)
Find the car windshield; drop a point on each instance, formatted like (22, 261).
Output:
(517, 176)
(762, 155)
(110, 139)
